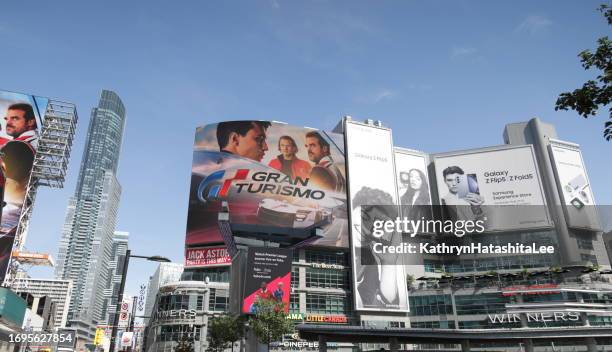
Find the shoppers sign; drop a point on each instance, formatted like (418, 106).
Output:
(175, 314)
(206, 257)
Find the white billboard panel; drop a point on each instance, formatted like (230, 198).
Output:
(371, 175)
(501, 186)
(574, 185)
(413, 184)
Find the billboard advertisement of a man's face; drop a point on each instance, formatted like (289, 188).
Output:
(19, 127)
(271, 175)
(500, 186)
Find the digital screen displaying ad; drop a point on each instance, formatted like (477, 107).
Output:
(271, 175)
(268, 276)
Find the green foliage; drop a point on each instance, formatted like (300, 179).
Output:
(224, 331)
(185, 344)
(270, 322)
(594, 93)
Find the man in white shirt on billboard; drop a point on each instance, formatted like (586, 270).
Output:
(325, 173)
(466, 207)
(21, 123)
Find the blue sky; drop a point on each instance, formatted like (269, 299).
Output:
(444, 75)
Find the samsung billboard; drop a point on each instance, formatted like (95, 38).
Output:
(379, 279)
(271, 175)
(501, 185)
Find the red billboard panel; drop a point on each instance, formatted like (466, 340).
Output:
(271, 175)
(203, 257)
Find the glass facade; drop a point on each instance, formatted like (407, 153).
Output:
(327, 278)
(218, 300)
(430, 305)
(327, 304)
(218, 274)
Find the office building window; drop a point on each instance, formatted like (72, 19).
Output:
(294, 303)
(584, 244)
(327, 278)
(327, 304)
(295, 276)
(218, 301)
(481, 304)
(430, 305)
(326, 257)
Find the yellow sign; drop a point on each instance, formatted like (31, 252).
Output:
(99, 337)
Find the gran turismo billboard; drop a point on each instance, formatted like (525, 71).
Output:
(574, 185)
(379, 279)
(19, 127)
(499, 185)
(272, 175)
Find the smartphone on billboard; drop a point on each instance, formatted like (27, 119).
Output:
(466, 184)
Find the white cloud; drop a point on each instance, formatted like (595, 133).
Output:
(533, 24)
(376, 96)
(462, 52)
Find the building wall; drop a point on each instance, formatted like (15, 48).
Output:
(58, 290)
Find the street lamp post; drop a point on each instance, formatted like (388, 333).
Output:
(126, 261)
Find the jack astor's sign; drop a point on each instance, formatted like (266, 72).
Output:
(201, 257)
(544, 317)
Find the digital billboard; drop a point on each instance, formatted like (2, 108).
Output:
(206, 257)
(380, 286)
(19, 127)
(500, 185)
(574, 185)
(272, 175)
(268, 276)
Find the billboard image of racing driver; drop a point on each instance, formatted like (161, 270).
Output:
(19, 127)
(270, 174)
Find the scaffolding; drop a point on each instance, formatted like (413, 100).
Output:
(49, 166)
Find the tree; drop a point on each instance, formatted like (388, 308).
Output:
(594, 93)
(185, 344)
(270, 322)
(224, 330)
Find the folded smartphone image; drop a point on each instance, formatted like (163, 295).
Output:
(467, 184)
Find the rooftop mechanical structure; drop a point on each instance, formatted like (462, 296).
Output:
(48, 170)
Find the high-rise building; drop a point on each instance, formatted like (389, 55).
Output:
(165, 273)
(58, 290)
(115, 267)
(87, 238)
